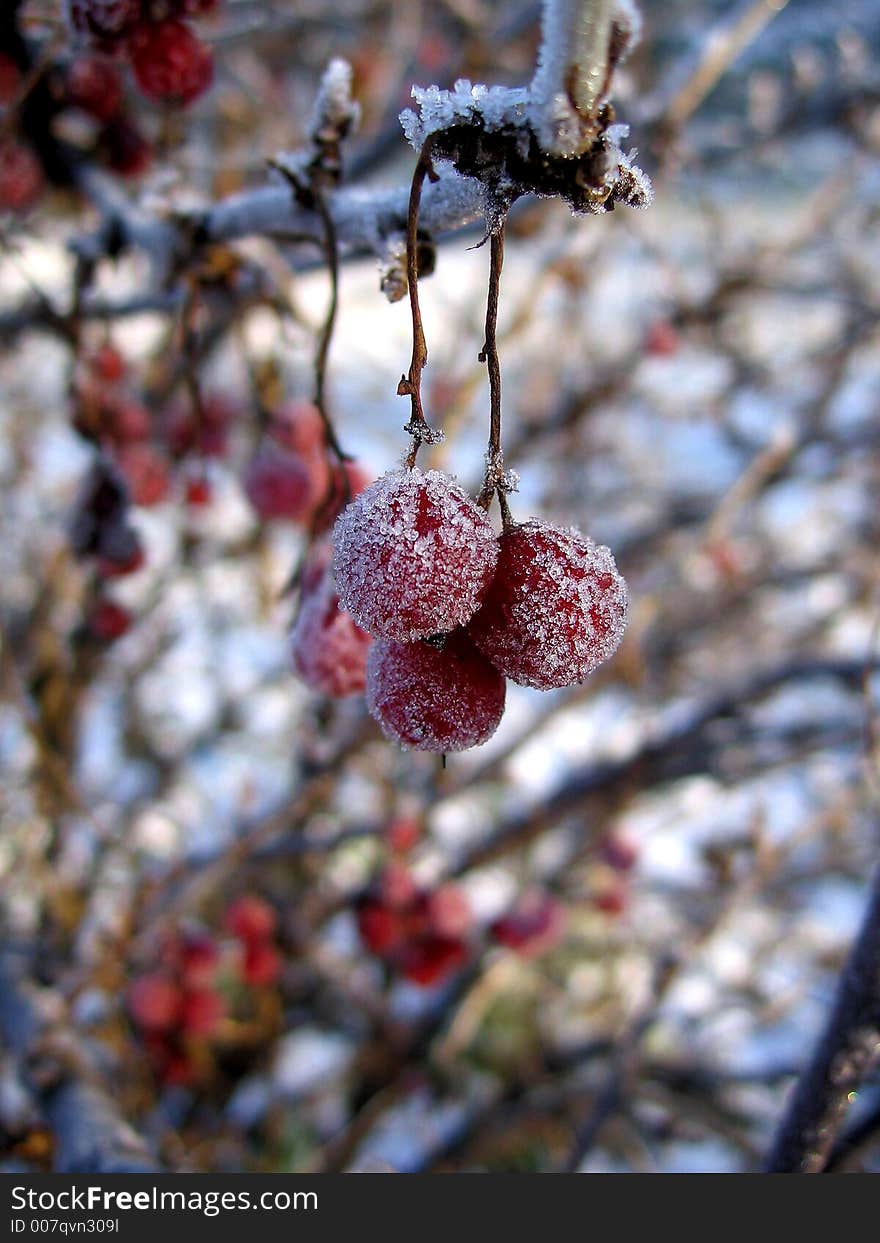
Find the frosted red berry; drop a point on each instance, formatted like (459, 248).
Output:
(21, 176)
(413, 556)
(94, 85)
(382, 928)
(556, 608)
(278, 485)
(154, 1002)
(170, 63)
(448, 911)
(434, 699)
(106, 20)
(146, 472)
(328, 648)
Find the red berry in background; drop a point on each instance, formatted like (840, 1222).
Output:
(10, 79)
(201, 1011)
(125, 148)
(298, 427)
(109, 621)
(329, 649)
(21, 176)
(533, 925)
(146, 472)
(619, 852)
(208, 435)
(402, 834)
(556, 608)
(382, 928)
(261, 964)
(434, 699)
(398, 887)
(612, 899)
(127, 421)
(108, 20)
(198, 491)
(108, 364)
(448, 911)
(278, 485)
(413, 556)
(154, 1002)
(171, 65)
(661, 339)
(431, 959)
(250, 918)
(94, 85)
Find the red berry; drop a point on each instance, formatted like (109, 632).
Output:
(104, 19)
(198, 491)
(127, 151)
(298, 427)
(431, 959)
(535, 924)
(170, 63)
(661, 339)
(397, 886)
(556, 608)
(402, 834)
(329, 649)
(619, 853)
(278, 485)
(382, 928)
(612, 899)
(154, 1002)
(95, 86)
(108, 364)
(448, 911)
(250, 918)
(146, 472)
(261, 964)
(413, 556)
(10, 79)
(201, 1011)
(128, 420)
(434, 699)
(21, 176)
(109, 621)
(208, 435)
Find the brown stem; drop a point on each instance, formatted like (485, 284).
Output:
(489, 355)
(411, 384)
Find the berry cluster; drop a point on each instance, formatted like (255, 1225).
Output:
(170, 63)
(421, 934)
(455, 610)
(179, 1008)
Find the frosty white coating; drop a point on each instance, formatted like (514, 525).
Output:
(556, 608)
(413, 556)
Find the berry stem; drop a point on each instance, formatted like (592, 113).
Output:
(411, 384)
(489, 355)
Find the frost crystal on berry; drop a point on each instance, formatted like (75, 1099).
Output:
(434, 699)
(413, 556)
(556, 608)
